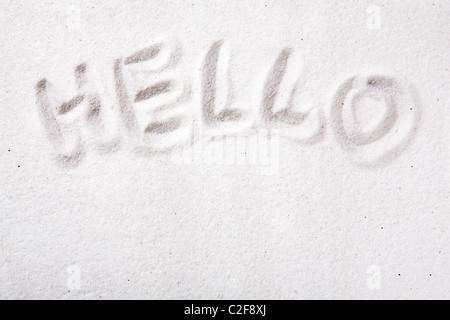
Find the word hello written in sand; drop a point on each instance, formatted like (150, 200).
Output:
(156, 113)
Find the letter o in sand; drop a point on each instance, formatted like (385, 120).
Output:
(374, 118)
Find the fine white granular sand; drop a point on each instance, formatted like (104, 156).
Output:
(224, 149)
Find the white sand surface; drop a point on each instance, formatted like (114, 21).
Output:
(224, 149)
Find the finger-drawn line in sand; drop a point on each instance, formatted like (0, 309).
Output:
(279, 101)
(210, 88)
(144, 55)
(156, 114)
(154, 90)
(68, 137)
(382, 141)
(157, 117)
(221, 114)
